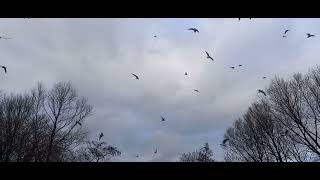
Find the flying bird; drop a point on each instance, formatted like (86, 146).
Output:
(284, 36)
(240, 65)
(156, 151)
(100, 136)
(137, 156)
(185, 73)
(1, 37)
(208, 56)
(225, 140)
(162, 118)
(287, 30)
(262, 92)
(135, 76)
(4, 68)
(310, 35)
(155, 36)
(194, 30)
(264, 77)
(196, 90)
(232, 67)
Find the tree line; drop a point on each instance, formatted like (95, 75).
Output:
(282, 126)
(46, 126)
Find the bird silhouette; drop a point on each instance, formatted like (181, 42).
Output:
(137, 156)
(79, 123)
(287, 30)
(262, 92)
(264, 77)
(232, 67)
(208, 56)
(156, 151)
(240, 18)
(196, 90)
(155, 36)
(185, 73)
(310, 35)
(284, 36)
(240, 65)
(100, 136)
(162, 118)
(135, 76)
(1, 37)
(225, 140)
(4, 68)
(194, 30)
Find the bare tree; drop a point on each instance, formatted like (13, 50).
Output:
(38, 125)
(296, 107)
(45, 126)
(97, 151)
(204, 154)
(64, 110)
(281, 127)
(257, 137)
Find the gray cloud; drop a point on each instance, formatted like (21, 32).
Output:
(99, 55)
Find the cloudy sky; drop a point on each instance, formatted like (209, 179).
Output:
(98, 56)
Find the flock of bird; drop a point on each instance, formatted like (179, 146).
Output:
(208, 56)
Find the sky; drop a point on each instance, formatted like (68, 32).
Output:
(98, 56)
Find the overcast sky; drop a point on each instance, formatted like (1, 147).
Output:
(98, 56)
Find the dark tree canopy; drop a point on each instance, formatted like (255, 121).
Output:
(282, 126)
(97, 151)
(204, 154)
(44, 125)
